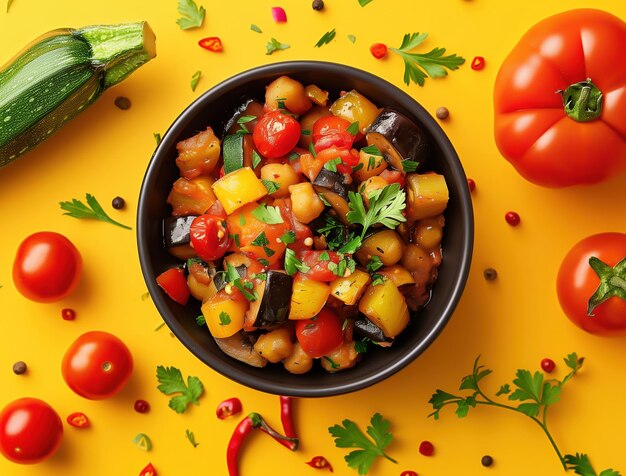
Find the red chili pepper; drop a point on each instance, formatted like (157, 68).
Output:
(244, 428)
(286, 416)
(408, 473)
(148, 471)
(68, 314)
(78, 420)
(211, 43)
(378, 50)
(478, 63)
(319, 462)
(228, 408)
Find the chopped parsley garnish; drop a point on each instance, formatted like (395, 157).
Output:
(324, 256)
(275, 45)
(326, 38)
(305, 132)
(157, 137)
(410, 165)
(224, 319)
(360, 346)
(353, 129)
(332, 164)
(256, 159)
(235, 238)
(372, 150)
(242, 121)
(377, 279)
(332, 363)
(364, 2)
(261, 240)
(353, 244)
(385, 208)
(270, 185)
(352, 38)
(323, 199)
(255, 28)
(263, 261)
(312, 150)
(242, 219)
(269, 215)
(374, 264)
(294, 156)
(358, 166)
(200, 320)
(191, 437)
(288, 237)
(171, 381)
(192, 16)
(293, 264)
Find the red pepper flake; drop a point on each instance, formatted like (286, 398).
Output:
(279, 15)
(408, 473)
(78, 420)
(478, 63)
(211, 43)
(228, 408)
(148, 471)
(378, 50)
(512, 218)
(427, 448)
(68, 314)
(319, 462)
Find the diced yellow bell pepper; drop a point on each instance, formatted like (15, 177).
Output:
(398, 274)
(386, 307)
(238, 188)
(224, 315)
(351, 288)
(427, 195)
(307, 297)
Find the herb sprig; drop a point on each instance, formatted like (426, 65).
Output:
(275, 45)
(535, 395)
(326, 38)
(418, 66)
(192, 16)
(171, 381)
(92, 210)
(385, 208)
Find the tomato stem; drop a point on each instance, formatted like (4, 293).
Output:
(582, 101)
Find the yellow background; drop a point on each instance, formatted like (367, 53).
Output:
(513, 322)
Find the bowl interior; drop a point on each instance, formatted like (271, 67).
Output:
(213, 108)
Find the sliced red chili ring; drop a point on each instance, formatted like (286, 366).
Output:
(148, 471)
(68, 314)
(378, 50)
(408, 473)
(319, 462)
(228, 408)
(78, 420)
(211, 43)
(478, 63)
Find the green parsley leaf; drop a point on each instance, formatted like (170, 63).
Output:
(372, 150)
(364, 2)
(331, 165)
(275, 45)
(353, 129)
(293, 264)
(268, 251)
(224, 319)
(324, 256)
(504, 390)
(377, 279)
(191, 437)
(581, 465)
(263, 261)
(270, 185)
(192, 16)
(256, 159)
(360, 346)
(261, 276)
(280, 103)
(269, 215)
(371, 163)
(418, 66)
(232, 274)
(348, 435)
(323, 199)
(410, 165)
(358, 166)
(385, 208)
(253, 27)
(326, 38)
(294, 156)
(305, 132)
(157, 137)
(242, 220)
(171, 381)
(374, 264)
(353, 244)
(261, 240)
(235, 238)
(200, 320)
(333, 364)
(288, 237)
(195, 79)
(352, 38)
(92, 210)
(312, 150)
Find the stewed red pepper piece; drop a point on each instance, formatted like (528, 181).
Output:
(174, 283)
(228, 408)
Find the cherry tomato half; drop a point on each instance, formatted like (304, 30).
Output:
(577, 282)
(30, 431)
(47, 267)
(319, 335)
(318, 268)
(276, 134)
(97, 365)
(174, 283)
(331, 131)
(209, 236)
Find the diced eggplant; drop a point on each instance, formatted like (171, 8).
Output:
(240, 346)
(366, 328)
(248, 107)
(176, 236)
(398, 138)
(221, 278)
(331, 182)
(338, 203)
(272, 306)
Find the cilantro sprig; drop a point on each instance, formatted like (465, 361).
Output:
(92, 210)
(385, 208)
(171, 381)
(417, 66)
(275, 45)
(534, 394)
(191, 15)
(348, 435)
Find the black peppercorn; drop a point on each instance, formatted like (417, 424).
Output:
(318, 5)
(118, 203)
(122, 102)
(486, 460)
(490, 274)
(19, 368)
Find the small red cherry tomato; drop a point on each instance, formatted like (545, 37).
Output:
(148, 471)
(174, 284)
(378, 50)
(97, 365)
(30, 431)
(78, 420)
(331, 131)
(478, 63)
(209, 236)
(212, 43)
(47, 267)
(276, 134)
(319, 335)
(228, 408)
(426, 448)
(318, 267)
(319, 462)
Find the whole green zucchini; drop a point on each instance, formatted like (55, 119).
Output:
(60, 74)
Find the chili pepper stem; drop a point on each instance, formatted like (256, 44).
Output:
(582, 101)
(259, 422)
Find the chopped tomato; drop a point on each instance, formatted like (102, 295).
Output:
(331, 131)
(209, 236)
(320, 335)
(311, 166)
(174, 284)
(276, 134)
(301, 230)
(393, 176)
(217, 209)
(318, 267)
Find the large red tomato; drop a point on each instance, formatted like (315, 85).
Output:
(551, 124)
(97, 365)
(47, 267)
(30, 431)
(582, 283)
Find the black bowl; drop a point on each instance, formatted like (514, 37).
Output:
(378, 364)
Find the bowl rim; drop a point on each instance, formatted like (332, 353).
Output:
(466, 216)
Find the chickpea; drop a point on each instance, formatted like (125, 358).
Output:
(415, 258)
(283, 174)
(291, 92)
(342, 358)
(385, 244)
(305, 203)
(298, 362)
(428, 233)
(275, 345)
